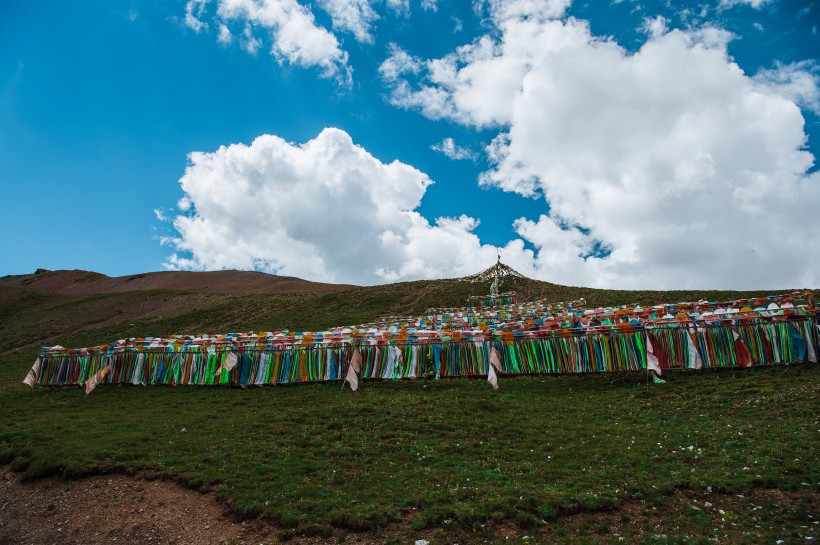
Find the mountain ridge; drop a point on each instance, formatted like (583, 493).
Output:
(229, 282)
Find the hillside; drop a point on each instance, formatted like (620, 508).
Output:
(556, 459)
(80, 308)
(77, 282)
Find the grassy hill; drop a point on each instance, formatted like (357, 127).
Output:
(558, 459)
(80, 308)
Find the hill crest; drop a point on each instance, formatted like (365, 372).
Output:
(229, 282)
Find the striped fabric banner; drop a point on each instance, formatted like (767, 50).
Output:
(765, 343)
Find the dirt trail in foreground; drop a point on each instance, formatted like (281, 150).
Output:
(116, 509)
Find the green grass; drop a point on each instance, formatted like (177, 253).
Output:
(558, 459)
(448, 455)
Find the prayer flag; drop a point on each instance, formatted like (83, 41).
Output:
(652, 362)
(495, 358)
(495, 363)
(354, 369)
(33, 375)
(492, 378)
(742, 354)
(95, 380)
(798, 345)
(229, 363)
(694, 356)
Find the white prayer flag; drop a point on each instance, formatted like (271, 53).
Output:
(228, 364)
(33, 375)
(495, 358)
(652, 362)
(694, 356)
(495, 363)
(492, 378)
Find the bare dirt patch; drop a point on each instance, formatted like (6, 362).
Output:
(134, 510)
(116, 509)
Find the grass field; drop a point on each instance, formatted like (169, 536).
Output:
(544, 460)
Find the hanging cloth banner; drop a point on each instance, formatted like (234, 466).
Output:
(495, 363)
(354, 369)
(228, 363)
(96, 379)
(695, 361)
(742, 343)
(743, 358)
(33, 376)
(652, 362)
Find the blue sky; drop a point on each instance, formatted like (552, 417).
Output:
(101, 104)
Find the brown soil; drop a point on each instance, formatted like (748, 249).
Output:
(132, 510)
(78, 282)
(114, 509)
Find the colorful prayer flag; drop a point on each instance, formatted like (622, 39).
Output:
(742, 355)
(694, 356)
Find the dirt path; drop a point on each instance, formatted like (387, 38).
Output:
(116, 509)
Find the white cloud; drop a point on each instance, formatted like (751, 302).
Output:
(324, 210)
(503, 10)
(799, 81)
(429, 5)
(398, 64)
(291, 28)
(655, 26)
(354, 16)
(804, 11)
(452, 150)
(224, 37)
(756, 4)
(399, 7)
(669, 167)
(193, 11)
(249, 42)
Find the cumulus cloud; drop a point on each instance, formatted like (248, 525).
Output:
(502, 10)
(398, 64)
(667, 167)
(324, 210)
(655, 26)
(354, 16)
(452, 150)
(799, 81)
(288, 25)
